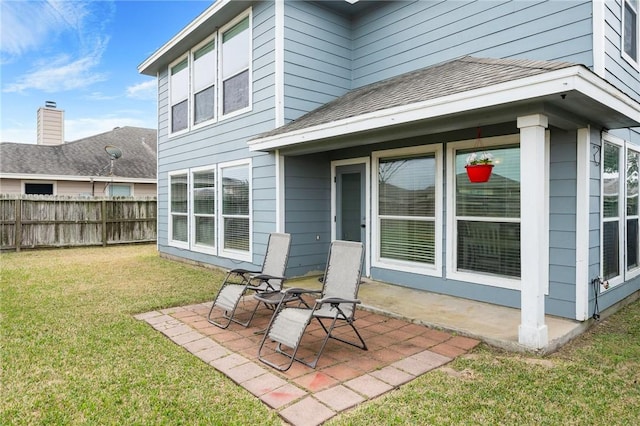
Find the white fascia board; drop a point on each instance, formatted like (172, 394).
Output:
(212, 10)
(117, 179)
(554, 82)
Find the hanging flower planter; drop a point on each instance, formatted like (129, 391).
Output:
(479, 173)
(479, 167)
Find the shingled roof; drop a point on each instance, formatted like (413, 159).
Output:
(455, 76)
(86, 157)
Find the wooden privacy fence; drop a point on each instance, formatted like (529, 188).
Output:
(38, 221)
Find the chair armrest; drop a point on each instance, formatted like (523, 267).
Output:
(338, 300)
(265, 277)
(243, 271)
(297, 290)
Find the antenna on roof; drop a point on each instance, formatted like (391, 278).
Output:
(115, 153)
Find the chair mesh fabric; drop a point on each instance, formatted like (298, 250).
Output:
(342, 276)
(229, 295)
(275, 261)
(289, 326)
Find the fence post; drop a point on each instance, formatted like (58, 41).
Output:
(18, 224)
(104, 222)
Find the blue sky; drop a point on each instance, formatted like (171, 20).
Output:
(83, 55)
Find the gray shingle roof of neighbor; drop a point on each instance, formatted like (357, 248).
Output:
(86, 157)
(447, 78)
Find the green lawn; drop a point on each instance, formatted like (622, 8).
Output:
(72, 353)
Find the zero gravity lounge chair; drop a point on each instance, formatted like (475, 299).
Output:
(240, 281)
(336, 306)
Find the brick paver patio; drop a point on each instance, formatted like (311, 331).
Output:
(399, 351)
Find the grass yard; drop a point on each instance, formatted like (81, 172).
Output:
(72, 353)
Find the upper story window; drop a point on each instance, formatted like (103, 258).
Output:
(630, 33)
(204, 82)
(235, 67)
(212, 81)
(179, 93)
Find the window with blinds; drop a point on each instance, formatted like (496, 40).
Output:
(213, 78)
(236, 52)
(179, 94)
(611, 204)
(633, 211)
(209, 209)
(487, 215)
(204, 207)
(178, 201)
(406, 212)
(235, 207)
(204, 76)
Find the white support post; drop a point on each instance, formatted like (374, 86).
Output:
(533, 332)
(582, 223)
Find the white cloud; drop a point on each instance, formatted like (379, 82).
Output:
(36, 27)
(60, 76)
(146, 90)
(28, 25)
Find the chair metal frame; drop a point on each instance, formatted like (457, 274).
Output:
(238, 282)
(334, 303)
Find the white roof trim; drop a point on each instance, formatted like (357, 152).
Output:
(212, 10)
(575, 78)
(115, 179)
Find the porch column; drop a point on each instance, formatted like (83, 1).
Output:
(532, 332)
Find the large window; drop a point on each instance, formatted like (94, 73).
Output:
(204, 207)
(620, 254)
(483, 218)
(488, 216)
(210, 209)
(235, 207)
(179, 93)
(630, 32)
(204, 64)
(214, 79)
(407, 199)
(236, 45)
(178, 208)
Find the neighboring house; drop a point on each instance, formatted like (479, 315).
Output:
(83, 167)
(353, 119)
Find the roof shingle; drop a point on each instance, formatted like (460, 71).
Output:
(86, 157)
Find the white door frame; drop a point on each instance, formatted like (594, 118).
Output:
(367, 200)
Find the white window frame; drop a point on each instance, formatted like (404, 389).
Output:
(171, 241)
(192, 89)
(192, 216)
(399, 265)
(109, 190)
(635, 6)
(54, 186)
(230, 253)
(173, 102)
(633, 272)
(452, 237)
(218, 91)
(249, 69)
(624, 274)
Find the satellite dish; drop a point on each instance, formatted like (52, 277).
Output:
(113, 151)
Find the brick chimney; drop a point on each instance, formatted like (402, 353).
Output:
(50, 124)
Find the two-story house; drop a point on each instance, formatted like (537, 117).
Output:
(355, 119)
